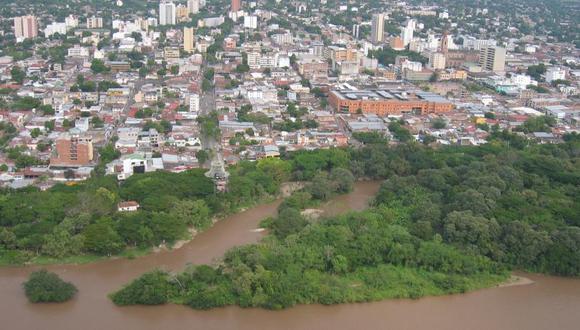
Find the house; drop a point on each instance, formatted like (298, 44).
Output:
(128, 206)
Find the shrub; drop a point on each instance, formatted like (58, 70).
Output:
(43, 286)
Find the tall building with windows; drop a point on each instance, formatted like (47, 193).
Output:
(188, 39)
(437, 61)
(94, 22)
(236, 5)
(167, 13)
(492, 58)
(407, 31)
(72, 150)
(377, 28)
(25, 27)
(193, 6)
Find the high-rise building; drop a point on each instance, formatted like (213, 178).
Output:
(407, 31)
(25, 27)
(167, 14)
(437, 61)
(194, 103)
(377, 28)
(250, 22)
(236, 5)
(492, 58)
(73, 149)
(356, 30)
(193, 6)
(188, 39)
(94, 22)
(444, 42)
(71, 21)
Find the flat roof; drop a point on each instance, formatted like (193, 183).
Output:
(385, 94)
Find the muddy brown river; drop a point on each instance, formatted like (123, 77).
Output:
(549, 303)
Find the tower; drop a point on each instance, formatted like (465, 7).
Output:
(377, 28)
(188, 39)
(444, 43)
(236, 5)
(167, 14)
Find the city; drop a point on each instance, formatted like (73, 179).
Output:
(129, 128)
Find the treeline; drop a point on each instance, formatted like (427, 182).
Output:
(445, 221)
(83, 220)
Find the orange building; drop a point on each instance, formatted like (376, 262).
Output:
(383, 102)
(73, 150)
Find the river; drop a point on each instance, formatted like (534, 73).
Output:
(549, 303)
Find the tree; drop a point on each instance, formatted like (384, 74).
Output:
(17, 74)
(98, 66)
(101, 238)
(195, 213)
(35, 132)
(150, 289)
(288, 222)
(43, 286)
(343, 179)
(438, 123)
(202, 156)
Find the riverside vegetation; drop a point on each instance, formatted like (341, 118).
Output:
(80, 223)
(445, 221)
(43, 287)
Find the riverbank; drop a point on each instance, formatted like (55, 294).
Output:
(533, 307)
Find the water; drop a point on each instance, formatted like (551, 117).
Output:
(549, 303)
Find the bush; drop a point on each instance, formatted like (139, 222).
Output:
(150, 289)
(43, 286)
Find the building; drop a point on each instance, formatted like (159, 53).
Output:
(492, 58)
(128, 206)
(54, 28)
(72, 150)
(356, 31)
(193, 6)
(94, 22)
(78, 51)
(167, 14)
(377, 28)
(194, 103)
(71, 21)
(555, 73)
(25, 27)
(437, 61)
(236, 6)
(250, 22)
(407, 31)
(171, 53)
(188, 39)
(384, 103)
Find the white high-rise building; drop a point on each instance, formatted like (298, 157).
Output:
(555, 73)
(377, 28)
(55, 27)
(251, 22)
(71, 21)
(193, 6)
(407, 31)
(194, 103)
(437, 61)
(167, 14)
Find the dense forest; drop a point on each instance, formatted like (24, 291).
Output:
(445, 220)
(66, 222)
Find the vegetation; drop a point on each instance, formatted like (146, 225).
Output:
(43, 287)
(445, 221)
